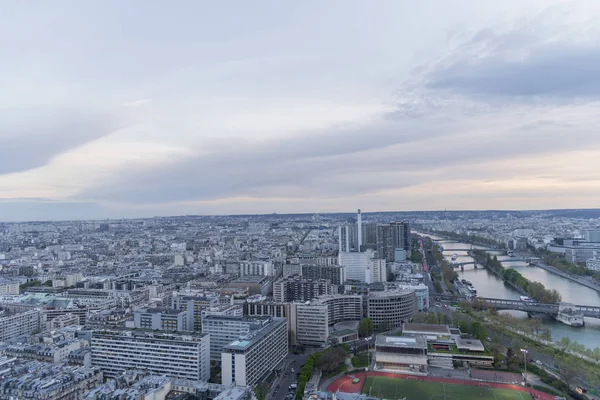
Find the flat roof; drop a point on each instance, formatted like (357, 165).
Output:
(470, 344)
(400, 341)
(245, 342)
(428, 328)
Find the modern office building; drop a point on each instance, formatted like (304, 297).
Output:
(312, 323)
(355, 264)
(164, 319)
(334, 273)
(390, 237)
(390, 309)
(185, 356)
(13, 324)
(251, 358)
(224, 330)
(297, 288)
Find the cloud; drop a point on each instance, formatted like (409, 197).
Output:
(529, 60)
(31, 136)
(136, 103)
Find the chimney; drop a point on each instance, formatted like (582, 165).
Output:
(359, 223)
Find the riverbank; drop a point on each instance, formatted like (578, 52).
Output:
(499, 272)
(572, 278)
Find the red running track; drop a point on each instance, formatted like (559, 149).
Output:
(345, 385)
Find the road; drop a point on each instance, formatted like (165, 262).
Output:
(291, 361)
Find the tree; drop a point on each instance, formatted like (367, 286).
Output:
(330, 359)
(535, 325)
(567, 370)
(260, 392)
(479, 331)
(365, 327)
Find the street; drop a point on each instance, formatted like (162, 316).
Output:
(294, 361)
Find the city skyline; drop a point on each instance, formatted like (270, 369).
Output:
(139, 110)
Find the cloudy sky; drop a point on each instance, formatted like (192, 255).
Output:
(114, 109)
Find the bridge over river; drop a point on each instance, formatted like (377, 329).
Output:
(538, 308)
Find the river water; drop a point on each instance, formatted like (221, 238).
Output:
(489, 285)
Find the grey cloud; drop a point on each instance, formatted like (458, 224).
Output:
(345, 163)
(518, 64)
(30, 137)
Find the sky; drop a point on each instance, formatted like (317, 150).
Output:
(113, 109)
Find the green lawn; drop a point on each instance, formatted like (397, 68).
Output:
(392, 388)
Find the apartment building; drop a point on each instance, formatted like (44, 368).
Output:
(13, 324)
(297, 288)
(185, 356)
(312, 324)
(251, 358)
(224, 330)
(164, 319)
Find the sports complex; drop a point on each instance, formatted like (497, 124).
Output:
(383, 385)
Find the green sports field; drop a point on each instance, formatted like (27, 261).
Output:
(393, 388)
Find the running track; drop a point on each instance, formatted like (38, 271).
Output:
(344, 384)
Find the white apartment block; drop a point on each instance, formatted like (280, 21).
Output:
(22, 323)
(249, 359)
(174, 355)
(224, 330)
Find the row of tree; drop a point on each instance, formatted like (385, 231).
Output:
(535, 290)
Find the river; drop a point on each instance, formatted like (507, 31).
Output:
(489, 285)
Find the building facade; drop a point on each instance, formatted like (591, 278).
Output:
(333, 273)
(175, 355)
(164, 319)
(224, 330)
(312, 324)
(250, 359)
(389, 309)
(297, 288)
(264, 268)
(20, 323)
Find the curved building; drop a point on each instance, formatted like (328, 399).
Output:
(342, 307)
(389, 309)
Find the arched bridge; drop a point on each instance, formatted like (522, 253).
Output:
(537, 308)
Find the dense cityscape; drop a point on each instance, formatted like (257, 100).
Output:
(300, 200)
(284, 306)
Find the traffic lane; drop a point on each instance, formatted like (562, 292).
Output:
(294, 361)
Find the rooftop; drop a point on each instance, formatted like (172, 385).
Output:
(427, 328)
(400, 341)
(245, 342)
